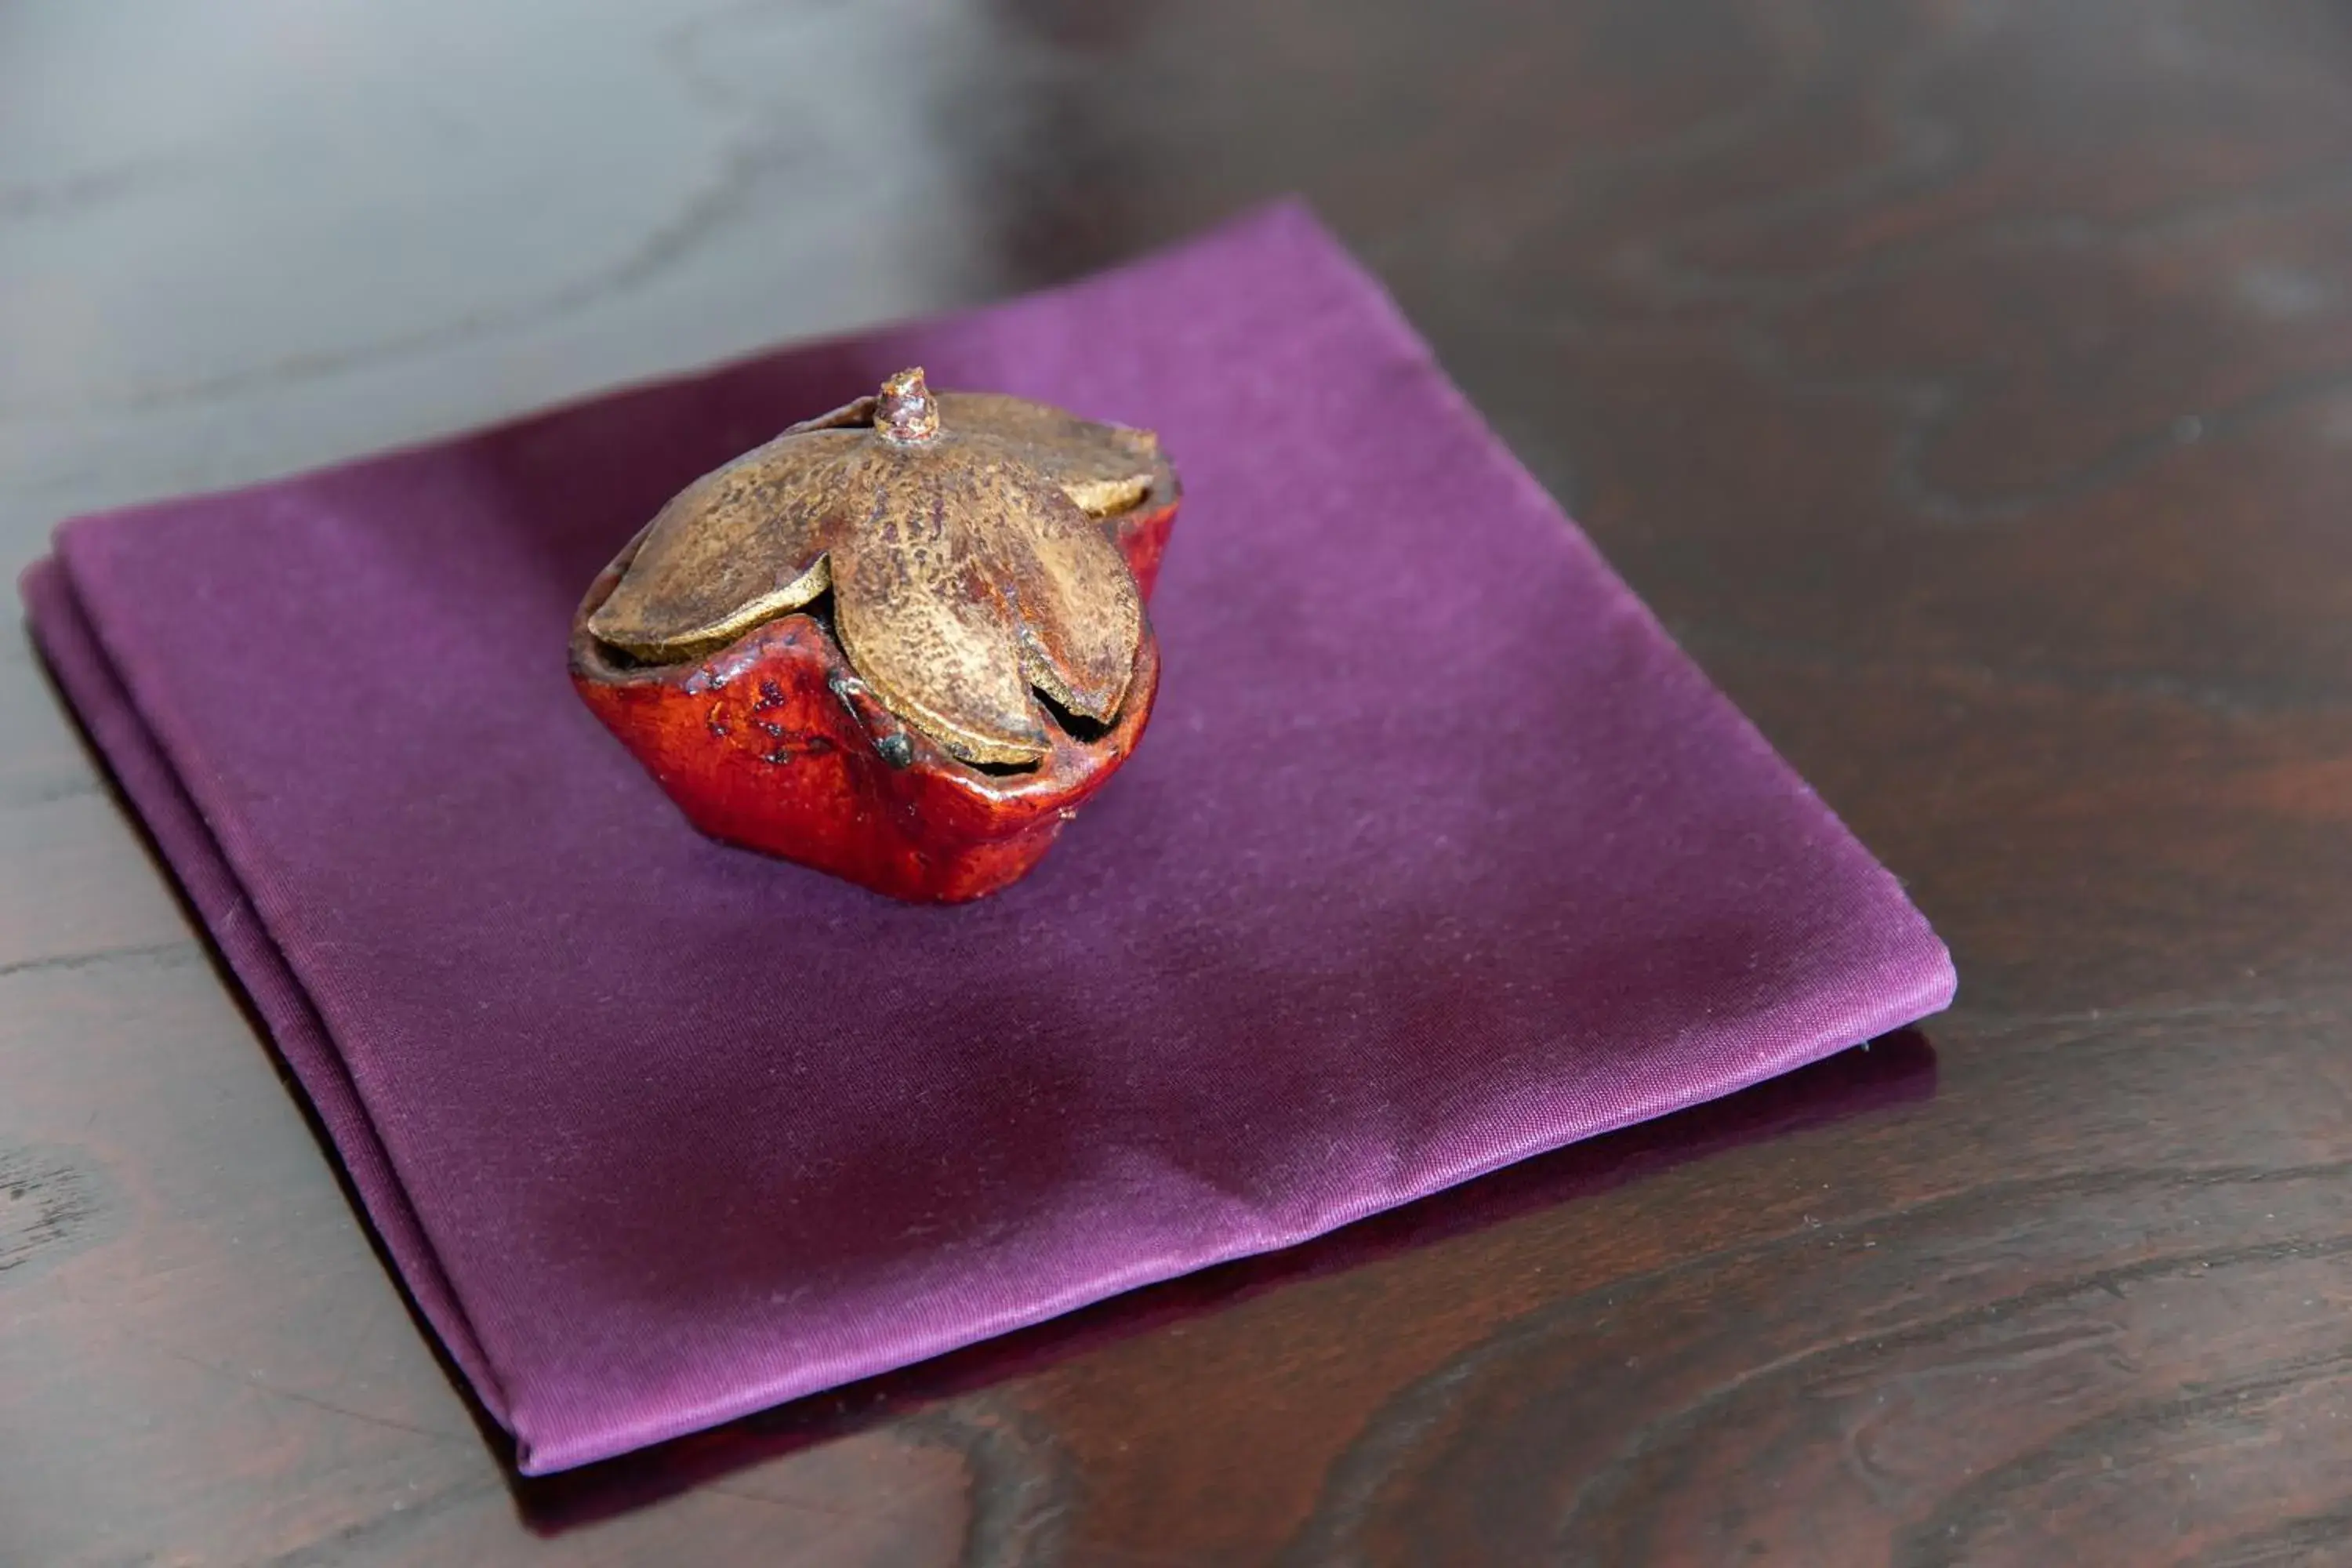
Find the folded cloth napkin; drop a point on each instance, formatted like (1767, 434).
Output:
(1438, 854)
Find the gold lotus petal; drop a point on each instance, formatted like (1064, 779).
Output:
(1105, 469)
(1102, 467)
(921, 618)
(1080, 616)
(742, 544)
(857, 412)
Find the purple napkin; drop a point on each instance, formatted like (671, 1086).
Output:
(1439, 854)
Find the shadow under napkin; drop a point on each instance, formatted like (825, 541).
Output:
(1438, 855)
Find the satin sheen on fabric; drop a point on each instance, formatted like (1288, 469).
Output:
(1439, 854)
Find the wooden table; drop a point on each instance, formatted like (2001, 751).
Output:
(1968, 385)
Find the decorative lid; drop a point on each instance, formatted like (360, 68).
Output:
(959, 534)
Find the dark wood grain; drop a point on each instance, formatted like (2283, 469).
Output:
(1968, 385)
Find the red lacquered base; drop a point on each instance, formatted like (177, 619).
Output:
(774, 744)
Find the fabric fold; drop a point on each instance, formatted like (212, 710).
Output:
(1439, 855)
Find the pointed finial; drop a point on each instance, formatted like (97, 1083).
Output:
(906, 414)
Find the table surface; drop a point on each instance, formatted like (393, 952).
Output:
(1968, 385)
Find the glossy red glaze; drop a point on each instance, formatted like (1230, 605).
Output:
(1142, 536)
(774, 743)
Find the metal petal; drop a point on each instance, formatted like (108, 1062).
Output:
(740, 546)
(1102, 467)
(921, 618)
(1079, 616)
